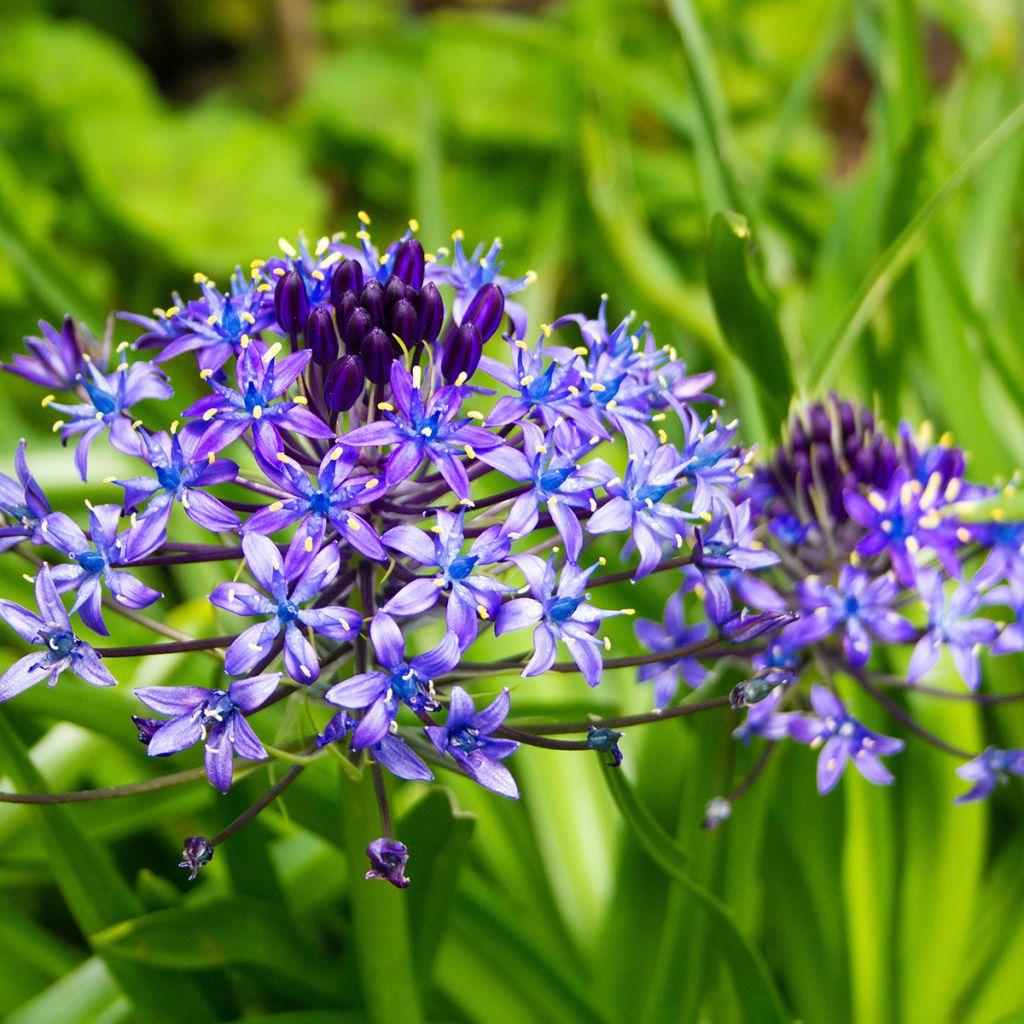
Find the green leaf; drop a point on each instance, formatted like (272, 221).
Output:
(97, 896)
(749, 326)
(225, 932)
(752, 980)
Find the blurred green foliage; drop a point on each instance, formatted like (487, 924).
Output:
(599, 138)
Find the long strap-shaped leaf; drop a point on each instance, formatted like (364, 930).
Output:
(898, 255)
(752, 980)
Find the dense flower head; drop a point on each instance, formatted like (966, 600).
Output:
(392, 473)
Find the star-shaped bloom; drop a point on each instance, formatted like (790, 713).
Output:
(988, 768)
(283, 606)
(424, 428)
(258, 403)
(401, 681)
(22, 501)
(180, 477)
(51, 630)
(214, 717)
(862, 605)
(558, 613)
(950, 624)
(637, 505)
(655, 636)
(471, 594)
(330, 500)
(110, 398)
(58, 359)
(391, 751)
(466, 735)
(96, 561)
(845, 739)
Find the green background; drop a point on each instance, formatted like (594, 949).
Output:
(141, 142)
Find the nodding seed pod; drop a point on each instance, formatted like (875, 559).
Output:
(431, 307)
(404, 323)
(486, 310)
(377, 356)
(371, 298)
(344, 384)
(462, 353)
(409, 263)
(348, 277)
(359, 324)
(291, 303)
(322, 336)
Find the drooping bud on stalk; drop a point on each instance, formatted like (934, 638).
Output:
(358, 326)
(377, 356)
(371, 298)
(486, 310)
(322, 336)
(388, 858)
(147, 727)
(409, 263)
(403, 321)
(431, 310)
(462, 353)
(291, 303)
(197, 853)
(347, 278)
(344, 384)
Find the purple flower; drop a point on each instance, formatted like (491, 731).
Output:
(561, 614)
(470, 593)
(253, 644)
(844, 739)
(424, 429)
(558, 479)
(711, 460)
(51, 630)
(988, 768)
(94, 563)
(636, 506)
(862, 605)
(179, 476)
(390, 750)
(1005, 560)
(401, 682)
(388, 858)
(330, 500)
(666, 675)
(110, 397)
(22, 501)
(466, 735)
(949, 624)
(58, 359)
(215, 717)
(262, 381)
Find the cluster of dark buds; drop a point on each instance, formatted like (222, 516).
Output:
(394, 469)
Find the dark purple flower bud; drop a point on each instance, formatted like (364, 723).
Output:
(291, 303)
(388, 857)
(394, 291)
(462, 353)
(404, 322)
(147, 727)
(409, 262)
(486, 310)
(344, 308)
(607, 742)
(378, 356)
(344, 383)
(322, 336)
(198, 852)
(431, 308)
(360, 323)
(740, 627)
(371, 298)
(348, 278)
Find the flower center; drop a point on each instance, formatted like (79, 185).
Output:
(170, 479)
(465, 739)
(287, 611)
(62, 644)
(563, 608)
(92, 561)
(319, 503)
(218, 708)
(404, 683)
(461, 567)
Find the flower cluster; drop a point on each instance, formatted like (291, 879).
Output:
(393, 470)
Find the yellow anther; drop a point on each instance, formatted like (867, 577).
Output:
(385, 407)
(47, 400)
(308, 544)
(482, 612)
(276, 506)
(364, 217)
(248, 318)
(317, 275)
(998, 514)
(257, 412)
(300, 400)
(287, 248)
(211, 319)
(946, 440)
(352, 523)
(414, 224)
(205, 374)
(371, 483)
(209, 414)
(607, 641)
(877, 501)
(174, 427)
(461, 379)
(470, 451)
(475, 414)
